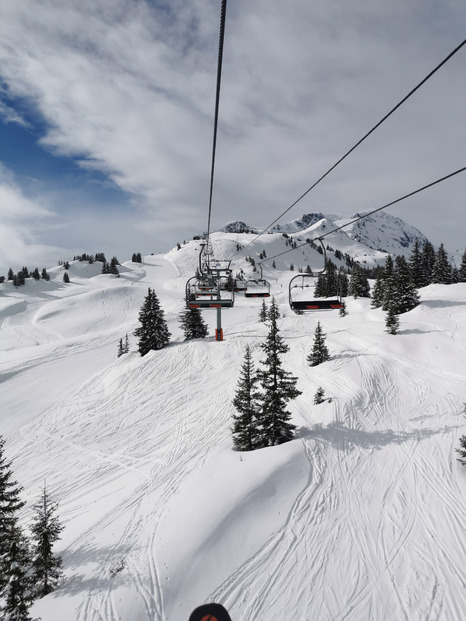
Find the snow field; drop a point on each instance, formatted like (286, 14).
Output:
(361, 517)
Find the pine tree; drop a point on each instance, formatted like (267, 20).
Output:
(319, 396)
(320, 352)
(66, 278)
(263, 312)
(388, 283)
(245, 424)
(320, 290)
(278, 387)
(343, 310)
(36, 274)
(10, 504)
(153, 333)
(392, 323)
(44, 274)
(428, 260)
(377, 293)
(462, 451)
(359, 285)
(113, 266)
(416, 265)
(441, 271)
(193, 324)
(17, 595)
(405, 295)
(10, 274)
(126, 345)
(120, 348)
(343, 284)
(462, 270)
(45, 529)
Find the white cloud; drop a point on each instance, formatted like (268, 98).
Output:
(129, 89)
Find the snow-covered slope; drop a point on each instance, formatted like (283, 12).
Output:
(361, 517)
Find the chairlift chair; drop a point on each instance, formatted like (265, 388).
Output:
(257, 288)
(303, 303)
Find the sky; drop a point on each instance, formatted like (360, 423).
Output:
(107, 107)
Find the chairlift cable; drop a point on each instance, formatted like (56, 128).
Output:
(446, 59)
(217, 102)
(366, 215)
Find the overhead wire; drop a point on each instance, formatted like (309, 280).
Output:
(400, 103)
(366, 215)
(217, 103)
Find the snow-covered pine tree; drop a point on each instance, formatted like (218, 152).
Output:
(120, 348)
(113, 266)
(17, 595)
(245, 424)
(320, 290)
(343, 310)
(194, 326)
(342, 283)
(45, 529)
(428, 260)
(416, 265)
(320, 351)
(10, 504)
(126, 344)
(278, 387)
(441, 271)
(462, 451)
(377, 292)
(319, 396)
(405, 295)
(153, 333)
(388, 283)
(462, 270)
(263, 312)
(392, 322)
(359, 285)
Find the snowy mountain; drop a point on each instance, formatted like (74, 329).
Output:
(306, 221)
(238, 227)
(379, 232)
(362, 516)
(384, 232)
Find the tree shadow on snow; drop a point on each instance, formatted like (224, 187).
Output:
(109, 569)
(442, 303)
(340, 436)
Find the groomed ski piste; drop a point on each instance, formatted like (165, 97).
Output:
(361, 517)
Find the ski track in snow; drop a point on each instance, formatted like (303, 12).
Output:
(376, 531)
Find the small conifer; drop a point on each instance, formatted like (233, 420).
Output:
(319, 396)
(194, 326)
(320, 351)
(153, 332)
(245, 424)
(45, 529)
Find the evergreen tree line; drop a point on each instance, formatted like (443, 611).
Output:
(28, 567)
(91, 258)
(20, 278)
